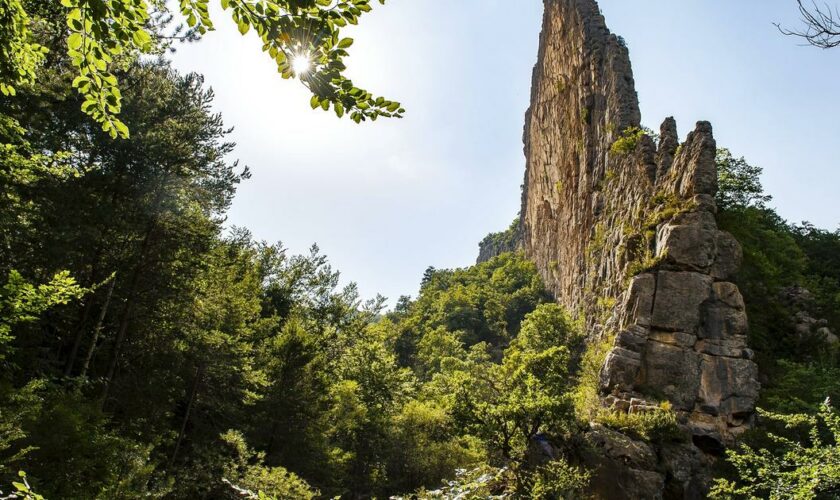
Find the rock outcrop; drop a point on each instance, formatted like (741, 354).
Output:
(621, 224)
(496, 244)
(800, 301)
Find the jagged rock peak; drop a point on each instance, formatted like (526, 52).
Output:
(622, 229)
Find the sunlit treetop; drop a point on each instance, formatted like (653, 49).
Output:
(301, 36)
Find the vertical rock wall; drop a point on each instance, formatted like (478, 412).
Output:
(622, 227)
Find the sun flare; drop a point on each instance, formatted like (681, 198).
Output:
(301, 64)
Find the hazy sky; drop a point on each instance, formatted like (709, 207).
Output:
(385, 200)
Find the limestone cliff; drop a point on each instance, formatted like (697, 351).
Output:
(621, 224)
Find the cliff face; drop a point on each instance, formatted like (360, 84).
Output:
(509, 240)
(622, 228)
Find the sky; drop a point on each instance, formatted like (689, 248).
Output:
(386, 200)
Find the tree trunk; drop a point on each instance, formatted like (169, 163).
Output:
(98, 329)
(199, 373)
(118, 343)
(125, 320)
(80, 332)
(77, 342)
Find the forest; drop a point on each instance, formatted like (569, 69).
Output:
(150, 350)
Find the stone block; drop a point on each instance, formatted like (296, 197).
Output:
(673, 371)
(725, 315)
(728, 294)
(620, 370)
(639, 303)
(679, 296)
(724, 378)
(688, 247)
(728, 257)
(633, 338)
(735, 347)
(680, 339)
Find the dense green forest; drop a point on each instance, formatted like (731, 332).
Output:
(147, 350)
(150, 350)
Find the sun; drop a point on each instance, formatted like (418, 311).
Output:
(301, 64)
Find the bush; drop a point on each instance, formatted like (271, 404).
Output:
(626, 144)
(426, 449)
(481, 482)
(585, 395)
(76, 452)
(805, 468)
(559, 480)
(656, 425)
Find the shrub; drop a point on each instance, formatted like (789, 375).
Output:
(626, 144)
(585, 395)
(481, 482)
(559, 480)
(654, 425)
(805, 468)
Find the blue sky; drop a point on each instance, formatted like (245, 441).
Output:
(388, 199)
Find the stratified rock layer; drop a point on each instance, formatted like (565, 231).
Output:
(623, 231)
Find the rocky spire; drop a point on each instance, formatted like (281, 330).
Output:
(623, 231)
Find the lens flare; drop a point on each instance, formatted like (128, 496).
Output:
(301, 64)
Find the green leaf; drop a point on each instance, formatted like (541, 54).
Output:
(121, 129)
(142, 39)
(74, 41)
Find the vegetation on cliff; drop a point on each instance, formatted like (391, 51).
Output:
(790, 279)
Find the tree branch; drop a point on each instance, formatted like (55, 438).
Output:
(821, 25)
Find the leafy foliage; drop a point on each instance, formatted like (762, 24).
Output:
(22, 302)
(480, 482)
(738, 183)
(559, 479)
(806, 468)
(800, 386)
(22, 490)
(485, 303)
(20, 55)
(103, 37)
(793, 452)
(505, 241)
(654, 425)
(626, 144)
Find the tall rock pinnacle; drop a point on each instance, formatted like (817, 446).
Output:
(621, 224)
